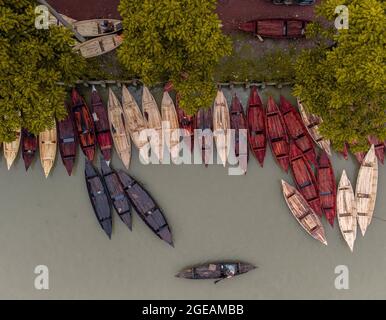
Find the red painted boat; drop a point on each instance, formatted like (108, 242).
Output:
(304, 178)
(327, 187)
(276, 28)
(344, 152)
(204, 122)
(296, 130)
(187, 123)
(257, 135)
(379, 148)
(84, 125)
(68, 142)
(102, 125)
(29, 145)
(277, 135)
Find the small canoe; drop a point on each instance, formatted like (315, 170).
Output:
(117, 195)
(360, 156)
(11, 149)
(239, 122)
(344, 152)
(146, 207)
(304, 178)
(215, 270)
(98, 46)
(277, 135)
(303, 213)
(276, 28)
(134, 122)
(366, 189)
(97, 27)
(257, 135)
(68, 142)
(47, 148)
(29, 146)
(187, 124)
(296, 130)
(312, 123)
(327, 187)
(98, 197)
(121, 140)
(204, 124)
(170, 125)
(101, 123)
(379, 148)
(221, 126)
(347, 213)
(84, 125)
(153, 122)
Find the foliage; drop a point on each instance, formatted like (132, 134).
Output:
(32, 61)
(177, 40)
(343, 77)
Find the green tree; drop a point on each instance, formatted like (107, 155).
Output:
(343, 77)
(32, 62)
(177, 40)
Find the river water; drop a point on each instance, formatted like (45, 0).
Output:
(214, 216)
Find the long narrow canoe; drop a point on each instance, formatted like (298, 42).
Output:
(29, 146)
(118, 197)
(276, 28)
(379, 148)
(170, 120)
(347, 213)
(277, 135)
(99, 46)
(187, 123)
(11, 149)
(344, 152)
(257, 135)
(366, 189)
(146, 207)
(121, 140)
(98, 197)
(102, 126)
(312, 123)
(221, 126)
(303, 213)
(327, 187)
(97, 27)
(204, 123)
(47, 148)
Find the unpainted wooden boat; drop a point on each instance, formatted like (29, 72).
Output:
(29, 146)
(84, 125)
(327, 187)
(257, 135)
(296, 130)
(102, 125)
(187, 124)
(47, 147)
(221, 126)
(347, 212)
(304, 178)
(366, 189)
(121, 140)
(204, 124)
(11, 149)
(303, 213)
(277, 134)
(98, 197)
(170, 125)
(117, 195)
(97, 27)
(99, 46)
(312, 123)
(379, 148)
(146, 207)
(276, 28)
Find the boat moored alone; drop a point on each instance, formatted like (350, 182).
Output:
(276, 28)
(47, 147)
(11, 149)
(29, 146)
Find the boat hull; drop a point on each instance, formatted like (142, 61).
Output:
(47, 147)
(276, 28)
(29, 146)
(204, 123)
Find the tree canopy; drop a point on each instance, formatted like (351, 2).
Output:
(343, 77)
(32, 62)
(176, 40)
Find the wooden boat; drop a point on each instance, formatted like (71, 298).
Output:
(276, 28)
(11, 149)
(304, 178)
(379, 148)
(187, 124)
(344, 152)
(98, 46)
(312, 122)
(366, 189)
(97, 27)
(215, 270)
(204, 123)
(98, 197)
(347, 213)
(117, 195)
(153, 122)
(146, 207)
(257, 135)
(360, 156)
(29, 146)
(68, 142)
(47, 148)
(277, 135)
(303, 213)
(221, 126)
(239, 122)
(171, 125)
(102, 126)
(327, 187)
(121, 140)
(296, 130)
(84, 125)
(134, 122)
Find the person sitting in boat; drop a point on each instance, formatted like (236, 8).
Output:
(228, 270)
(107, 26)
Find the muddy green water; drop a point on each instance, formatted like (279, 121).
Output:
(213, 216)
